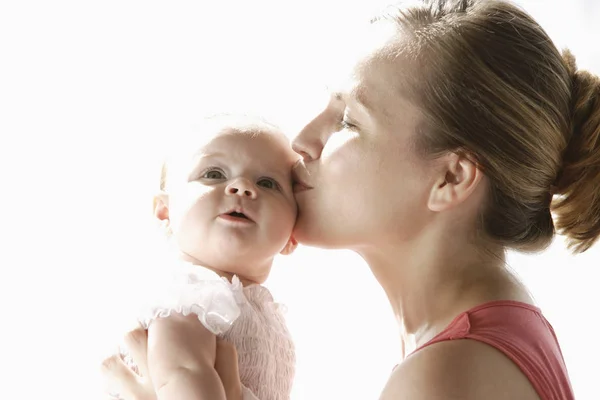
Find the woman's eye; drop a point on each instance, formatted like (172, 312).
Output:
(347, 125)
(346, 122)
(213, 174)
(268, 183)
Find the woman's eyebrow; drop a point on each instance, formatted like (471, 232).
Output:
(357, 94)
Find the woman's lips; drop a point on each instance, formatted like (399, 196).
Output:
(300, 187)
(299, 184)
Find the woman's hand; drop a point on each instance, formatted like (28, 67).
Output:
(120, 380)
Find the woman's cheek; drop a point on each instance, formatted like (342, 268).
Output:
(340, 151)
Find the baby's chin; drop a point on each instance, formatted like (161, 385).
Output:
(245, 279)
(248, 274)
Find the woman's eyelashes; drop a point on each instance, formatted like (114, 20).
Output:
(347, 123)
(217, 174)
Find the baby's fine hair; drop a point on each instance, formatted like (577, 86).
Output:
(209, 125)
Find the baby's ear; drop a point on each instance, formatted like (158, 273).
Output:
(290, 246)
(160, 206)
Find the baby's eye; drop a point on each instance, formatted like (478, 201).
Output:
(213, 174)
(268, 183)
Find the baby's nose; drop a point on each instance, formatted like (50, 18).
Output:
(241, 187)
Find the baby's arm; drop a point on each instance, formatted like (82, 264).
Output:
(181, 356)
(227, 367)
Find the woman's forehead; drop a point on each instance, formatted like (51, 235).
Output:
(379, 62)
(377, 83)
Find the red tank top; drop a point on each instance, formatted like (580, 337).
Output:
(521, 332)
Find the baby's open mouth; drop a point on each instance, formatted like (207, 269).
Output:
(238, 215)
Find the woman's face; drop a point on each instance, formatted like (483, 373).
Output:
(366, 183)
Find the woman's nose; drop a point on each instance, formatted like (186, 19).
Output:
(310, 140)
(241, 187)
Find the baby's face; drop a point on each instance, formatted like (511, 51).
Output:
(231, 205)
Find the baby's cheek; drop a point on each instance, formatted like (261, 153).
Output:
(197, 192)
(283, 221)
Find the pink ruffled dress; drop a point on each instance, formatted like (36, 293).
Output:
(245, 316)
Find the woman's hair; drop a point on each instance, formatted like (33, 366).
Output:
(492, 85)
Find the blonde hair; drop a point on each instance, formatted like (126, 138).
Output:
(491, 84)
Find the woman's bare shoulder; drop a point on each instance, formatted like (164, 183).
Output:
(458, 369)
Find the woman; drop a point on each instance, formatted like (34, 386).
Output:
(457, 127)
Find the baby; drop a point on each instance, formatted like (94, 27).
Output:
(227, 209)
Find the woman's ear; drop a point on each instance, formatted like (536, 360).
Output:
(459, 177)
(290, 246)
(161, 208)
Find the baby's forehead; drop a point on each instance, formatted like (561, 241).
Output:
(238, 136)
(221, 135)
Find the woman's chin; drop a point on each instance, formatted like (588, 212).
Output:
(316, 236)
(307, 234)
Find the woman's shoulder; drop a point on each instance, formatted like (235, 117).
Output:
(458, 369)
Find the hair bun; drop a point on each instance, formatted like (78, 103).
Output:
(578, 183)
(570, 62)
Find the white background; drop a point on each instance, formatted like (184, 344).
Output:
(90, 92)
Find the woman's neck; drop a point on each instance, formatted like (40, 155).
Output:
(430, 282)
